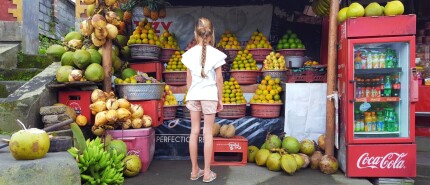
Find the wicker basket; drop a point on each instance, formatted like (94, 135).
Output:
(266, 110)
(260, 54)
(292, 52)
(245, 77)
(169, 112)
(233, 111)
(140, 91)
(166, 54)
(281, 74)
(175, 77)
(145, 51)
(232, 53)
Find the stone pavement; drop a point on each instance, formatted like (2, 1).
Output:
(164, 172)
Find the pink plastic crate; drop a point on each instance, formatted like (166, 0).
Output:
(139, 141)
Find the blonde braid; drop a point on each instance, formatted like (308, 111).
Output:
(203, 58)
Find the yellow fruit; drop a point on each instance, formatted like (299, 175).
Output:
(267, 77)
(81, 120)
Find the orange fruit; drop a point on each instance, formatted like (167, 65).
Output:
(269, 88)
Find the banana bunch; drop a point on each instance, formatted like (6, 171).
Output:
(97, 165)
(321, 7)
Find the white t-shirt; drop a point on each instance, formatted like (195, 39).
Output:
(203, 88)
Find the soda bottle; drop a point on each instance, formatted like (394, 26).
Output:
(367, 122)
(368, 87)
(363, 60)
(374, 123)
(375, 60)
(382, 60)
(396, 123)
(380, 122)
(369, 60)
(357, 60)
(396, 87)
(358, 88)
(395, 61)
(356, 121)
(387, 86)
(363, 88)
(389, 59)
(381, 85)
(389, 120)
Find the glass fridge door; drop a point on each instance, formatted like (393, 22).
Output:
(381, 76)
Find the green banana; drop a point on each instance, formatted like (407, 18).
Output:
(73, 151)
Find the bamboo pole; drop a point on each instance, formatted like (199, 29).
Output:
(331, 76)
(107, 65)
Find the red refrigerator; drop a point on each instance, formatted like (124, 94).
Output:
(378, 90)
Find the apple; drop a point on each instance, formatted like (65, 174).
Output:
(29, 144)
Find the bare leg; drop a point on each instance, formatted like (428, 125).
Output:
(193, 143)
(209, 120)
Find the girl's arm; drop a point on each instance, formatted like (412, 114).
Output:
(188, 79)
(219, 82)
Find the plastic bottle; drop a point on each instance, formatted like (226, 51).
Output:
(368, 88)
(387, 87)
(363, 60)
(356, 121)
(369, 60)
(382, 60)
(381, 85)
(361, 122)
(367, 122)
(374, 122)
(396, 87)
(358, 88)
(375, 60)
(389, 59)
(389, 120)
(380, 122)
(357, 60)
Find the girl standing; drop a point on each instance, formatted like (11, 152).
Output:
(204, 84)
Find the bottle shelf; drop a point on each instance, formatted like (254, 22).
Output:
(376, 133)
(378, 99)
(379, 71)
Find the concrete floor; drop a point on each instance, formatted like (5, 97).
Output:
(163, 172)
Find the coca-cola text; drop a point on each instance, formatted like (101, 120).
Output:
(391, 160)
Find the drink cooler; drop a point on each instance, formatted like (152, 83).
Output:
(139, 141)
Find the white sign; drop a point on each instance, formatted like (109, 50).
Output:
(305, 110)
(241, 20)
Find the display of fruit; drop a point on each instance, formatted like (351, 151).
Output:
(97, 165)
(258, 41)
(139, 78)
(232, 93)
(290, 41)
(311, 63)
(132, 165)
(111, 113)
(175, 62)
(321, 7)
(29, 144)
(144, 34)
(229, 41)
(154, 9)
(274, 61)
(328, 164)
(227, 131)
(168, 40)
(268, 91)
(169, 98)
(244, 61)
(355, 9)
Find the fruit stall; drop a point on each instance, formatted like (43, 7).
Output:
(123, 84)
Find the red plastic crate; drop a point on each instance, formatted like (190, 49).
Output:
(152, 108)
(140, 142)
(78, 100)
(235, 145)
(154, 69)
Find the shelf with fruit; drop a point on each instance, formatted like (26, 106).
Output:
(274, 65)
(311, 63)
(168, 44)
(170, 104)
(268, 91)
(130, 76)
(290, 45)
(144, 34)
(230, 43)
(244, 68)
(233, 100)
(175, 72)
(259, 46)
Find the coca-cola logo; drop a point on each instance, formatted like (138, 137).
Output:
(391, 160)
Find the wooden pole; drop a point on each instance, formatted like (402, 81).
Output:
(107, 65)
(331, 76)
